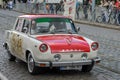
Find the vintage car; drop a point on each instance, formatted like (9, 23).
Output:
(50, 41)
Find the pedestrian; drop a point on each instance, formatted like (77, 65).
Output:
(117, 5)
(85, 8)
(48, 8)
(4, 4)
(51, 9)
(77, 9)
(10, 4)
(90, 6)
(14, 3)
(105, 6)
(57, 8)
(35, 8)
(61, 5)
(29, 4)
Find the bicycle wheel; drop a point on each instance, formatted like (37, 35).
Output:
(112, 19)
(99, 19)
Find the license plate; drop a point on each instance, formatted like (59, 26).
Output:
(70, 68)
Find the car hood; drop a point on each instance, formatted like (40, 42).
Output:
(65, 43)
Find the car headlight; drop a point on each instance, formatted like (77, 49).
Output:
(57, 57)
(94, 46)
(43, 47)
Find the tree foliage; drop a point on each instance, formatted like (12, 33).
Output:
(98, 2)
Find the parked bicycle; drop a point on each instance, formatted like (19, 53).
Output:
(116, 17)
(102, 17)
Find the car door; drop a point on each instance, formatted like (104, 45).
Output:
(16, 38)
(19, 38)
(24, 37)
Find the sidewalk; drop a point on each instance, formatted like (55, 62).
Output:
(109, 26)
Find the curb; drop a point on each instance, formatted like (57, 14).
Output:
(108, 26)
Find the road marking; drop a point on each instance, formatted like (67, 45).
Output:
(2, 77)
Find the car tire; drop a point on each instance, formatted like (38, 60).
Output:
(87, 68)
(10, 56)
(31, 65)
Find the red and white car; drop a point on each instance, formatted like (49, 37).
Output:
(50, 41)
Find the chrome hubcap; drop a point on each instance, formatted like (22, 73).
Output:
(30, 63)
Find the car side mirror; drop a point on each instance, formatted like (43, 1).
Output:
(78, 29)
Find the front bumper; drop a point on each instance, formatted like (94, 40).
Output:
(69, 63)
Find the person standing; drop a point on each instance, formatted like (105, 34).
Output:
(35, 8)
(117, 5)
(51, 8)
(77, 9)
(10, 4)
(85, 8)
(57, 8)
(105, 6)
(4, 4)
(29, 4)
(61, 5)
(48, 8)
(90, 6)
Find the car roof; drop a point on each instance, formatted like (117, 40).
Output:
(33, 16)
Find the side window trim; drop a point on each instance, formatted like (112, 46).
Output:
(25, 26)
(19, 24)
(16, 22)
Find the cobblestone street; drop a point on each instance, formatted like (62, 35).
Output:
(108, 69)
(109, 45)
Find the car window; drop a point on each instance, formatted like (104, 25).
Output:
(25, 27)
(52, 25)
(19, 24)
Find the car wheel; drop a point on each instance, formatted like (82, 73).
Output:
(87, 68)
(31, 65)
(10, 56)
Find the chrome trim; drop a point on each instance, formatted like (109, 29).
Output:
(69, 63)
(3, 44)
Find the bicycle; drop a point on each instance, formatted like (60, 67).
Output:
(102, 17)
(117, 16)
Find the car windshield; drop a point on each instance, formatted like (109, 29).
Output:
(52, 26)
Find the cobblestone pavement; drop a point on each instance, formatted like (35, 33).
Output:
(109, 52)
(109, 45)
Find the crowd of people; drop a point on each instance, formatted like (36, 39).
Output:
(106, 6)
(111, 6)
(8, 4)
(54, 8)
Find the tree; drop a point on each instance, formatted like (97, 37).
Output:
(98, 2)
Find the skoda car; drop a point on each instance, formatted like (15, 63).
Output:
(50, 41)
